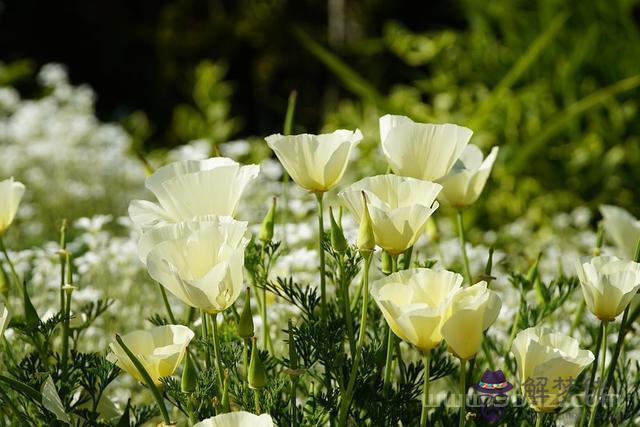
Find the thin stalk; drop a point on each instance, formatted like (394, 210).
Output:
(167, 306)
(323, 285)
(266, 336)
(463, 249)
(216, 348)
(406, 259)
(147, 379)
(347, 310)
(426, 360)
(245, 358)
(539, 419)
(463, 393)
(65, 335)
(63, 261)
(288, 125)
(256, 400)
(388, 367)
(11, 266)
(596, 401)
(592, 376)
(205, 336)
(348, 396)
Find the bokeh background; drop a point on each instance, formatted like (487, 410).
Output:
(90, 91)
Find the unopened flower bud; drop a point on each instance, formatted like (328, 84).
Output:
(245, 326)
(268, 223)
(189, 375)
(338, 242)
(257, 375)
(366, 240)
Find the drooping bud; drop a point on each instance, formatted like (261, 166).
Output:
(257, 375)
(189, 375)
(366, 240)
(245, 325)
(338, 242)
(268, 223)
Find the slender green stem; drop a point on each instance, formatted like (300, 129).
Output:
(406, 259)
(603, 356)
(539, 419)
(205, 336)
(624, 328)
(245, 358)
(344, 286)
(11, 266)
(592, 376)
(167, 306)
(463, 394)
(323, 285)
(216, 348)
(65, 335)
(348, 395)
(463, 248)
(266, 336)
(388, 367)
(426, 360)
(147, 379)
(256, 400)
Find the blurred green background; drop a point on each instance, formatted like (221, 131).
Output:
(556, 84)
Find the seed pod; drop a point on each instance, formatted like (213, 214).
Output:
(189, 375)
(268, 223)
(338, 242)
(257, 374)
(366, 240)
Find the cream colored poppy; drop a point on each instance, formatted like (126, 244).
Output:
(464, 184)
(399, 208)
(471, 312)
(547, 362)
(315, 162)
(192, 188)
(11, 193)
(621, 227)
(200, 262)
(608, 284)
(421, 150)
(160, 350)
(415, 302)
(237, 419)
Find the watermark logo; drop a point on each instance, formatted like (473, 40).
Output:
(493, 388)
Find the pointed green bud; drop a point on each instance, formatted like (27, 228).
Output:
(268, 223)
(257, 374)
(245, 326)
(30, 313)
(338, 242)
(366, 240)
(386, 262)
(189, 375)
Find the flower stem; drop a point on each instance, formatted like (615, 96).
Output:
(463, 248)
(11, 266)
(216, 349)
(344, 286)
(388, 367)
(348, 395)
(603, 356)
(426, 360)
(539, 419)
(147, 379)
(256, 400)
(323, 285)
(463, 393)
(205, 337)
(165, 299)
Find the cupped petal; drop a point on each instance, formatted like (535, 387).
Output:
(237, 419)
(11, 193)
